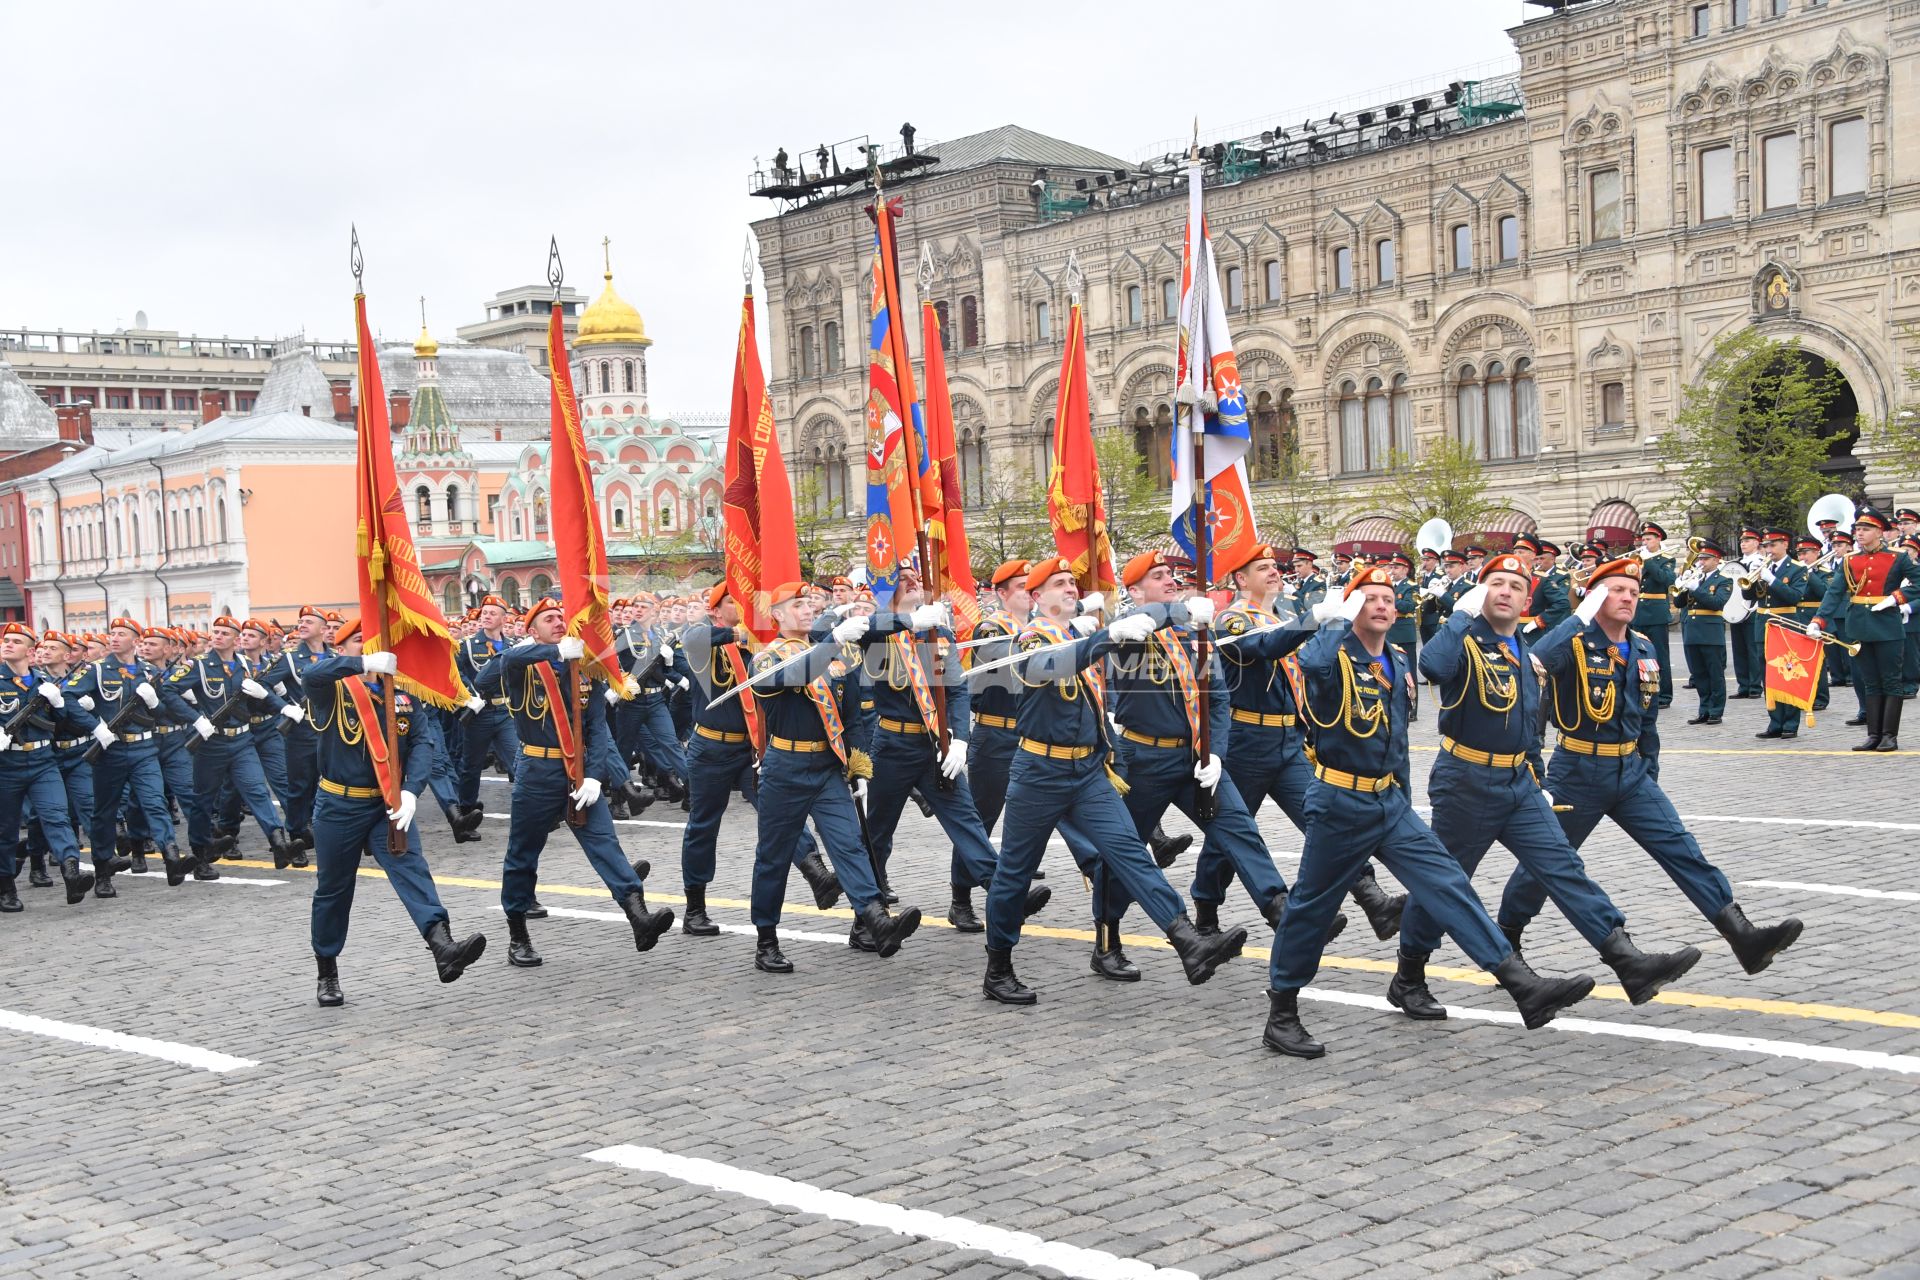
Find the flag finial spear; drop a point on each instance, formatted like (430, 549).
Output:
(555, 271)
(423, 312)
(1194, 152)
(926, 269)
(1076, 278)
(746, 262)
(355, 262)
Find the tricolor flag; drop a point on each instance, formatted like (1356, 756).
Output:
(580, 553)
(762, 549)
(893, 516)
(1208, 383)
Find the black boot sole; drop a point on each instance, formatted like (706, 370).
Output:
(1431, 1011)
(1294, 1048)
(1013, 996)
(514, 959)
(329, 1001)
(1385, 919)
(1791, 936)
(1236, 942)
(1642, 992)
(646, 933)
(470, 951)
(1580, 988)
(905, 925)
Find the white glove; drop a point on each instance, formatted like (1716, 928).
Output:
(293, 712)
(681, 682)
(1906, 613)
(1207, 772)
(850, 629)
(523, 642)
(1549, 796)
(379, 664)
(927, 617)
(572, 648)
(1530, 628)
(631, 688)
(1688, 581)
(476, 703)
(51, 692)
(1200, 611)
(954, 763)
(86, 703)
(612, 695)
(860, 790)
(1590, 607)
(1351, 606)
(1325, 611)
(401, 815)
(1132, 629)
(6, 740)
(253, 688)
(588, 795)
(1433, 590)
(1767, 572)
(1084, 624)
(1814, 625)
(1473, 601)
(103, 735)
(147, 694)
(1288, 591)
(203, 727)
(666, 653)
(1885, 604)
(1092, 602)
(1647, 553)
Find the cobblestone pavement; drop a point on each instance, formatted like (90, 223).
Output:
(430, 1130)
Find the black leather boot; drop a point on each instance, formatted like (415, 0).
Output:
(648, 922)
(282, 850)
(675, 788)
(860, 937)
(1201, 956)
(137, 857)
(450, 957)
(327, 991)
(1038, 896)
(767, 957)
(642, 868)
(821, 879)
(520, 952)
(302, 839)
(885, 896)
(466, 821)
(1876, 710)
(960, 915)
(1284, 1034)
(224, 844)
(103, 883)
(1382, 909)
(1408, 991)
(177, 867)
(1167, 849)
(37, 872)
(1539, 998)
(1643, 975)
(78, 881)
(1206, 918)
(534, 910)
(1890, 723)
(1513, 933)
(1755, 946)
(1109, 961)
(617, 804)
(695, 923)
(203, 868)
(888, 932)
(112, 866)
(1001, 984)
(9, 898)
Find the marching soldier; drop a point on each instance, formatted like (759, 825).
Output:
(165, 650)
(1869, 592)
(301, 746)
(1701, 596)
(70, 754)
(1062, 777)
(537, 679)
(652, 661)
(991, 745)
(267, 739)
(1357, 691)
(1604, 701)
(1406, 604)
(490, 728)
(359, 756)
(1781, 587)
(1748, 675)
(1655, 619)
(33, 713)
(1485, 785)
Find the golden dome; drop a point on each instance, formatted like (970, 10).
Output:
(424, 347)
(611, 319)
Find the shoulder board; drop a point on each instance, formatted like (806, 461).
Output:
(1637, 635)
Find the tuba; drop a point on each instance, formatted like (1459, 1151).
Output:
(1836, 507)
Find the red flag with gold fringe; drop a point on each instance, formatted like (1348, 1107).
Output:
(580, 552)
(951, 574)
(1075, 502)
(762, 547)
(1793, 668)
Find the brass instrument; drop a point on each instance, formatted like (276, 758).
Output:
(1694, 544)
(1793, 625)
(1664, 553)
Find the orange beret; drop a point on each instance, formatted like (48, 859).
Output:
(128, 623)
(1258, 551)
(18, 629)
(227, 621)
(785, 591)
(308, 611)
(540, 606)
(348, 630)
(1140, 566)
(715, 594)
(254, 624)
(1629, 567)
(156, 633)
(1372, 576)
(1010, 570)
(1041, 570)
(1506, 564)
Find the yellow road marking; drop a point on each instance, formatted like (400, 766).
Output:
(1474, 977)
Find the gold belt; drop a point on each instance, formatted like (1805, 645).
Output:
(1267, 719)
(1351, 781)
(719, 735)
(1653, 595)
(496, 702)
(1867, 599)
(1473, 755)
(1053, 751)
(234, 733)
(902, 726)
(1613, 750)
(1704, 613)
(1148, 740)
(333, 788)
(542, 753)
(805, 746)
(993, 722)
(1778, 609)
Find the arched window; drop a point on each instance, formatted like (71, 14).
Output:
(1470, 408)
(1379, 425)
(1343, 268)
(1499, 409)
(133, 532)
(1499, 443)
(510, 591)
(666, 515)
(541, 586)
(453, 508)
(450, 598)
(969, 323)
(1042, 322)
(1402, 416)
(808, 366)
(1353, 430)
(1236, 289)
(620, 517)
(1273, 434)
(626, 375)
(943, 312)
(1463, 247)
(423, 508)
(200, 522)
(830, 340)
(220, 516)
(606, 377)
(1134, 309)
(1526, 409)
(539, 515)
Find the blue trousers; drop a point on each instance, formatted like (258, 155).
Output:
(539, 796)
(342, 830)
(715, 770)
(1262, 761)
(490, 729)
(902, 762)
(271, 746)
(222, 760)
(1159, 776)
(130, 771)
(649, 731)
(1076, 797)
(1344, 829)
(1625, 791)
(302, 747)
(794, 785)
(76, 776)
(1475, 805)
(1707, 665)
(989, 760)
(31, 779)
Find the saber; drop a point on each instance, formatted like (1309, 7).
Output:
(764, 676)
(1022, 656)
(1223, 641)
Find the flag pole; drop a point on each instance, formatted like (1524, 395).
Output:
(1205, 800)
(576, 693)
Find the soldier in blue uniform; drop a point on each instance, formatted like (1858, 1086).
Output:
(490, 728)
(360, 755)
(221, 682)
(650, 657)
(1604, 699)
(301, 747)
(1485, 784)
(1063, 779)
(1356, 689)
(812, 769)
(1655, 619)
(724, 758)
(267, 739)
(1867, 595)
(55, 663)
(165, 649)
(1777, 593)
(1701, 596)
(33, 713)
(536, 677)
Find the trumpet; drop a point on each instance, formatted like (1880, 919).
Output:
(1666, 553)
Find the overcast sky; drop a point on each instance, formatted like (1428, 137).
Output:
(202, 162)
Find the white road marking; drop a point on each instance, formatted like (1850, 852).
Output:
(1427, 810)
(225, 879)
(745, 930)
(186, 1055)
(1865, 1059)
(1896, 895)
(963, 1233)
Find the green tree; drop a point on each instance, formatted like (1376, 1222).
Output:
(1746, 444)
(1137, 507)
(1895, 442)
(1012, 521)
(1447, 481)
(825, 540)
(1294, 507)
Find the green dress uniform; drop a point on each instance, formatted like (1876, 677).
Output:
(1703, 635)
(1778, 596)
(1867, 593)
(1653, 617)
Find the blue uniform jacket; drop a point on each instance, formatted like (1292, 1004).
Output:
(1055, 704)
(44, 723)
(1595, 697)
(110, 684)
(1254, 678)
(788, 709)
(343, 746)
(893, 686)
(207, 683)
(515, 675)
(1356, 724)
(1146, 694)
(1489, 699)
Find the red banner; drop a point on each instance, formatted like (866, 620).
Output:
(580, 553)
(398, 614)
(1793, 668)
(1075, 503)
(762, 548)
(951, 574)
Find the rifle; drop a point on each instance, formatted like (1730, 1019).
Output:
(225, 712)
(132, 708)
(27, 715)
